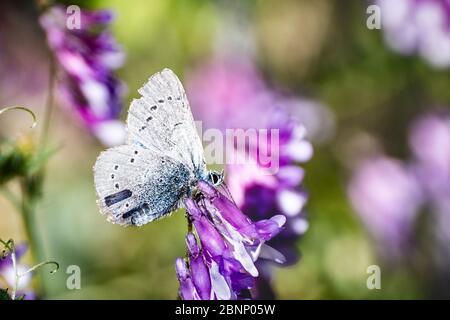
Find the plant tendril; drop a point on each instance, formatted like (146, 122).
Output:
(56, 268)
(9, 246)
(24, 109)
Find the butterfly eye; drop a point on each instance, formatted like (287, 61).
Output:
(215, 178)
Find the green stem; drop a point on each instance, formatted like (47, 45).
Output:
(29, 222)
(189, 224)
(11, 197)
(29, 200)
(189, 230)
(50, 102)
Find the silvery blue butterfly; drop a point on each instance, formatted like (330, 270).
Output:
(162, 162)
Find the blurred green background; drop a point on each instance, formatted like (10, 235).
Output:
(320, 49)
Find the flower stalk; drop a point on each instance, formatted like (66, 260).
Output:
(10, 253)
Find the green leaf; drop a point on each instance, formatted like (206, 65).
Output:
(13, 163)
(4, 294)
(40, 159)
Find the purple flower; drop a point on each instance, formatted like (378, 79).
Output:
(430, 143)
(390, 194)
(7, 272)
(87, 58)
(260, 193)
(418, 27)
(224, 92)
(228, 94)
(223, 267)
(387, 196)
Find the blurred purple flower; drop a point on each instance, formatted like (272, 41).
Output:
(261, 193)
(228, 94)
(224, 93)
(7, 272)
(390, 194)
(418, 27)
(87, 58)
(387, 196)
(224, 267)
(430, 143)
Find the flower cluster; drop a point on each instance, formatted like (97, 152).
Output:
(224, 94)
(386, 196)
(8, 273)
(87, 57)
(259, 189)
(430, 143)
(260, 193)
(223, 267)
(418, 26)
(227, 93)
(389, 194)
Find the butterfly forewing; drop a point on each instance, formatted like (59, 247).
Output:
(162, 120)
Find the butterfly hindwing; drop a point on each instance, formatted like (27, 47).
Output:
(136, 185)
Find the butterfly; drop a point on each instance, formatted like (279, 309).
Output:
(162, 161)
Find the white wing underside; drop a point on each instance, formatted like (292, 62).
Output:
(162, 120)
(146, 179)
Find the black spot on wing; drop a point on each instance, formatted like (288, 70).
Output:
(117, 197)
(139, 210)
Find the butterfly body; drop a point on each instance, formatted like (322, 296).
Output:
(162, 162)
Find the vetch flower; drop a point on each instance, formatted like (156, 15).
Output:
(226, 93)
(223, 93)
(223, 267)
(430, 143)
(8, 273)
(418, 27)
(387, 197)
(87, 58)
(265, 179)
(261, 193)
(389, 194)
